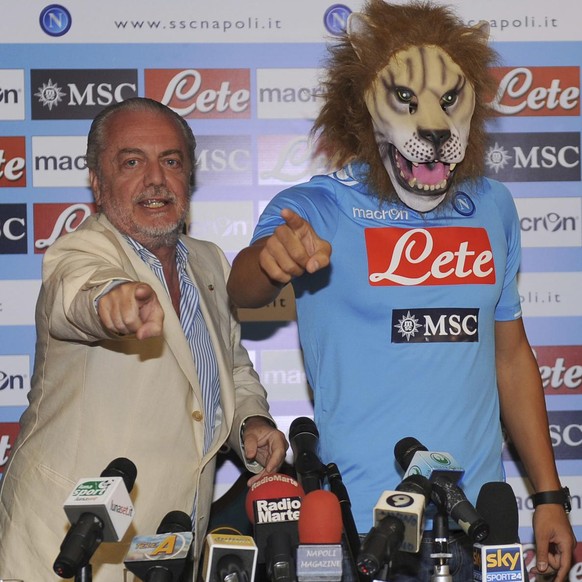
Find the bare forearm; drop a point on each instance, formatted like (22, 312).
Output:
(248, 285)
(523, 407)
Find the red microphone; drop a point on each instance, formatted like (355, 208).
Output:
(319, 555)
(272, 506)
(320, 518)
(272, 487)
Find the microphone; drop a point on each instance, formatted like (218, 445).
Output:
(500, 555)
(273, 505)
(379, 545)
(406, 504)
(162, 557)
(229, 557)
(443, 472)
(319, 555)
(351, 535)
(452, 499)
(99, 510)
(304, 438)
(415, 459)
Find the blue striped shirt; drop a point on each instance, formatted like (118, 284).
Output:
(195, 329)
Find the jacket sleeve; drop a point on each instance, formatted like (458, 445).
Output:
(250, 395)
(77, 268)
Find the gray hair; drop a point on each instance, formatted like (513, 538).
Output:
(98, 131)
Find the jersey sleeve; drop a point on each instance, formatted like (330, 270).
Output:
(509, 306)
(314, 201)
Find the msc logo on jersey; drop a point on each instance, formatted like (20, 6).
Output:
(431, 325)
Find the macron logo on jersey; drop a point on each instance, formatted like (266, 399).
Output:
(429, 256)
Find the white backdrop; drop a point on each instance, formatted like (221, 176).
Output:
(245, 75)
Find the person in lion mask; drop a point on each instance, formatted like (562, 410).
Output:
(413, 325)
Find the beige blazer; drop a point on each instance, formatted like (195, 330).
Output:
(96, 397)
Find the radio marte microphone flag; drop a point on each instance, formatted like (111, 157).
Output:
(100, 510)
(162, 557)
(319, 554)
(500, 555)
(272, 506)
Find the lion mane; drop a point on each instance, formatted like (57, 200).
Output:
(343, 129)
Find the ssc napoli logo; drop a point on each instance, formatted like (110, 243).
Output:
(55, 20)
(463, 204)
(335, 19)
(440, 459)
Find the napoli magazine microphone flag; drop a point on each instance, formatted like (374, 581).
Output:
(500, 555)
(99, 510)
(162, 557)
(319, 555)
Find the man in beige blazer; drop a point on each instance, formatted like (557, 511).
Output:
(115, 375)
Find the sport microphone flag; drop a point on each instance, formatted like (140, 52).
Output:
(500, 555)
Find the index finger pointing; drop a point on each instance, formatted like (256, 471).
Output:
(292, 219)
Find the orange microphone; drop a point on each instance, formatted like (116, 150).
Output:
(319, 555)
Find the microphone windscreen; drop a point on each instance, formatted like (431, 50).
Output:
(273, 486)
(497, 505)
(174, 522)
(124, 468)
(405, 449)
(320, 518)
(303, 424)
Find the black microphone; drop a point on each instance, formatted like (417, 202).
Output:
(99, 510)
(304, 438)
(279, 558)
(500, 555)
(407, 503)
(443, 472)
(351, 535)
(415, 459)
(380, 544)
(229, 556)
(230, 568)
(452, 499)
(162, 557)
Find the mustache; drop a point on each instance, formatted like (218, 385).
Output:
(157, 191)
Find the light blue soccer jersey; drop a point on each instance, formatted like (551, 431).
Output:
(398, 334)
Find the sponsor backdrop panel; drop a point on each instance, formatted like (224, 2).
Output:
(246, 76)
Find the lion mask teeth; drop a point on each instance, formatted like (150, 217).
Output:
(427, 176)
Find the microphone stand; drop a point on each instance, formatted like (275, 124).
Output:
(440, 551)
(84, 574)
(351, 535)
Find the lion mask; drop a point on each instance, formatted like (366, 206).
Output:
(405, 93)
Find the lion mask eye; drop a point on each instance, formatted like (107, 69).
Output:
(449, 99)
(406, 96)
